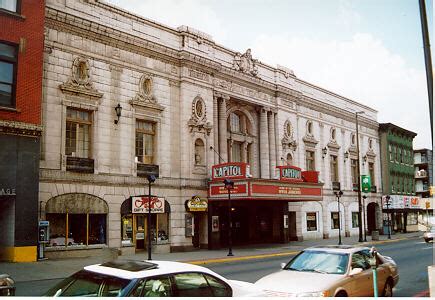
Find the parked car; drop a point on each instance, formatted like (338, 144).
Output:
(7, 285)
(330, 271)
(121, 278)
(429, 235)
(60, 241)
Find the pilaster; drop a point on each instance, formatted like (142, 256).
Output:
(272, 140)
(264, 145)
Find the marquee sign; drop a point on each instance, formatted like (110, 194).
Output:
(196, 204)
(232, 170)
(139, 205)
(290, 173)
(401, 202)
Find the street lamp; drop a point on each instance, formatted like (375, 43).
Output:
(359, 179)
(338, 194)
(387, 202)
(229, 185)
(151, 179)
(365, 218)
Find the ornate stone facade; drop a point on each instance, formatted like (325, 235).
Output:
(194, 92)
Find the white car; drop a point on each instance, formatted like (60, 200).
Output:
(331, 271)
(128, 278)
(429, 235)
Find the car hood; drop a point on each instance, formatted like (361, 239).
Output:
(298, 282)
(246, 289)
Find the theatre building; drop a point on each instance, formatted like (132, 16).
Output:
(124, 95)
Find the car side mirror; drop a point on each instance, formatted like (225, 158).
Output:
(355, 271)
(283, 265)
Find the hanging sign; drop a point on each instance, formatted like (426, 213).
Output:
(196, 204)
(289, 173)
(232, 170)
(139, 205)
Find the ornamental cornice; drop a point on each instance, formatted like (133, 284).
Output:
(20, 128)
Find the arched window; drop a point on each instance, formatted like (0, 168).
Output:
(199, 152)
(235, 123)
(309, 127)
(240, 137)
(289, 160)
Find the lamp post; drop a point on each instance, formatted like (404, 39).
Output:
(229, 185)
(151, 179)
(387, 198)
(338, 194)
(364, 216)
(359, 179)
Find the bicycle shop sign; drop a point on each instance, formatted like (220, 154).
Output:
(139, 205)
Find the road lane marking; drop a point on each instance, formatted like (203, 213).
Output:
(229, 259)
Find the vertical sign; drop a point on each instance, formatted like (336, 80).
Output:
(365, 183)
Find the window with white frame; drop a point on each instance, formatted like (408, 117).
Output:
(311, 221)
(354, 171)
(334, 168)
(335, 219)
(355, 222)
(372, 172)
(78, 133)
(145, 139)
(309, 160)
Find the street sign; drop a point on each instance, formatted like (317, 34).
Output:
(365, 183)
(149, 170)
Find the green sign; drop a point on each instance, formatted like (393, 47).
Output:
(365, 183)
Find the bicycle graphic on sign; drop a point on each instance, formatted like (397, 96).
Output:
(140, 204)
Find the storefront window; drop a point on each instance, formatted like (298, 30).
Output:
(355, 219)
(159, 225)
(83, 229)
(334, 220)
(311, 221)
(412, 218)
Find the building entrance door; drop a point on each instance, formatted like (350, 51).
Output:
(140, 231)
(196, 226)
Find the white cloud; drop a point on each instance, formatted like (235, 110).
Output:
(362, 69)
(175, 13)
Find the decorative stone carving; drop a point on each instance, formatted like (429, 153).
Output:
(288, 142)
(332, 144)
(80, 80)
(145, 97)
(245, 63)
(309, 139)
(198, 122)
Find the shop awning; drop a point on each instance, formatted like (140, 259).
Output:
(76, 203)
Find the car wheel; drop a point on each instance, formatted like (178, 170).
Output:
(427, 240)
(388, 289)
(341, 294)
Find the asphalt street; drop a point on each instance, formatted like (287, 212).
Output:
(412, 256)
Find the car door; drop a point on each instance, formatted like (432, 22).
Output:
(157, 286)
(361, 284)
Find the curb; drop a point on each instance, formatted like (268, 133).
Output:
(260, 256)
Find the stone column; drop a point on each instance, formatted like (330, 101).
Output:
(264, 145)
(244, 155)
(272, 150)
(223, 129)
(277, 145)
(215, 130)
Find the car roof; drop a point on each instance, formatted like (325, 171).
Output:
(131, 269)
(348, 249)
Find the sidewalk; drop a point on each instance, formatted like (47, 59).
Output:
(61, 268)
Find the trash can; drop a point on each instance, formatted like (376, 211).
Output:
(7, 285)
(375, 235)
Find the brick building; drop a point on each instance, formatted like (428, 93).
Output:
(21, 57)
(188, 106)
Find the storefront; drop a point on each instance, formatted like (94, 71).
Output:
(196, 221)
(134, 224)
(259, 207)
(402, 213)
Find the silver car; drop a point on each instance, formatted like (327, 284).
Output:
(332, 271)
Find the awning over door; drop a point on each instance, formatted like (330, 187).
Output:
(76, 203)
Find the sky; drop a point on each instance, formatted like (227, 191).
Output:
(370, 51)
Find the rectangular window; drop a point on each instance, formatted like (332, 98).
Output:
(334, 168)
(236, 152)
(78, 133)
(145, 133)
(355, 219)
(309, 160)
(372, 172)
(390, 148)
(334, 220)
(412, 218)
(311, 221)
(10, 5)
(8, 70)
(354, 171)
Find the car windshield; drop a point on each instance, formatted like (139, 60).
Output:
(89, 284)
(319, 262)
